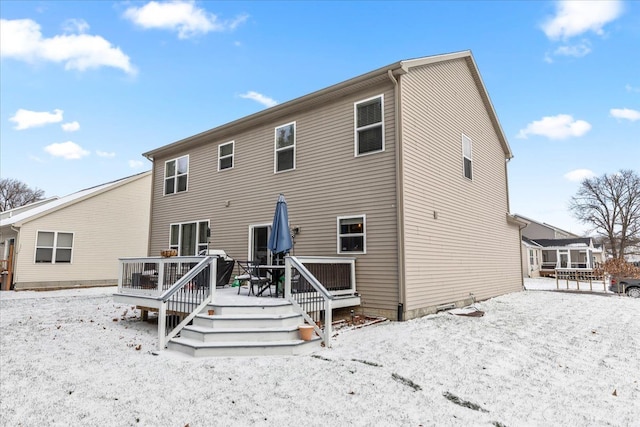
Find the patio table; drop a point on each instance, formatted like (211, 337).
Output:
(275, 273)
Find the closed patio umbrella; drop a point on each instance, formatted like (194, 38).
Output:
(280, 238)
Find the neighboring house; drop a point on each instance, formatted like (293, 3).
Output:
(403, 168)
(542, 230)
(542, 254)
(76, 240)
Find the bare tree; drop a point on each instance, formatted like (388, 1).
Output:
(14, 193)
(611, 205)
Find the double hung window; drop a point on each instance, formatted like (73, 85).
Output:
(352, 234)
(225, 155)
(467, 158)
(285, 147)
(54, 247)
(369, 127)
(176, 174)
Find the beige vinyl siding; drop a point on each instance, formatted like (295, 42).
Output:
(329, 181)
(106, 226)
(470, 247)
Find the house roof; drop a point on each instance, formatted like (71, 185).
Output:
(316, 98)
(582, 241)
(530, 242)
(12, 212)
(56, 203)
(544, 224)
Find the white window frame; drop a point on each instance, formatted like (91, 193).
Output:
(371, 126)
(221, 157)
(339, 235)
(55, 247)
(289, 147)
(250, 246)
(467, 157)
(176, 176)
(178, 246)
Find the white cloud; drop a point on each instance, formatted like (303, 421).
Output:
(135, 164)
(36, 159)
(21, 39)
(79, 26)
(26, 119)
(258, 97)
(579, 175)
(67, 150)
(625, 113)
(577, 17)
(577, 50)
(105, 154)
(70, 127)
(630, 88)
(561, 126)
(180, 16)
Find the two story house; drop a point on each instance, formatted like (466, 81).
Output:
(403, 168)
(546, 248)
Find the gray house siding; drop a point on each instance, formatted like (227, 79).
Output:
(448, 218)
(328, 181)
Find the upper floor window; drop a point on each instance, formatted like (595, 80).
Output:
(176, 173)
(54, 247)
(225, 155)
(352, 234)
(467, 159)
(369, 126)
(189, 238)
(285, 146)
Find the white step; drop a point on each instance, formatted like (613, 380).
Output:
(281, 307)
(204, 334)
(237, 321)
(245, 329)
(242, 348)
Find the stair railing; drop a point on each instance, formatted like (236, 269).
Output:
(185, 299)
(308, 297)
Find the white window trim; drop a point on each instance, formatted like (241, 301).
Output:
(465, 157)
(250, 247)
(291, 147)
(364, 234)
(356, 128)
(175, 177)
(179, 224)
(54, 247)
(232, 155)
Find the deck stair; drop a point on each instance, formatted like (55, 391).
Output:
(242, 329)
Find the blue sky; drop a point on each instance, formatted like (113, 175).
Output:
(87, 86)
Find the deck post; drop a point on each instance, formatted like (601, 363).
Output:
(162, 324)
(328, 321)
(287, 278)
(213, 276)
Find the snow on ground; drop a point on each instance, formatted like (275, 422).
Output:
(536, 358)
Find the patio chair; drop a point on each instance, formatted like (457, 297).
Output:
(250, 272)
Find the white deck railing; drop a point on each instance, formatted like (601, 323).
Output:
(313, 296)
(178, 287)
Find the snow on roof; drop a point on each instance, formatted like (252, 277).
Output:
(65, 200)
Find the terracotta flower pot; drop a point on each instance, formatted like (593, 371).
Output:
(306, 332)
(210, 312)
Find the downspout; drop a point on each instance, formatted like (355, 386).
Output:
(399, 198)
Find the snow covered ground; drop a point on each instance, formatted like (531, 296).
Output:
(535, 358)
